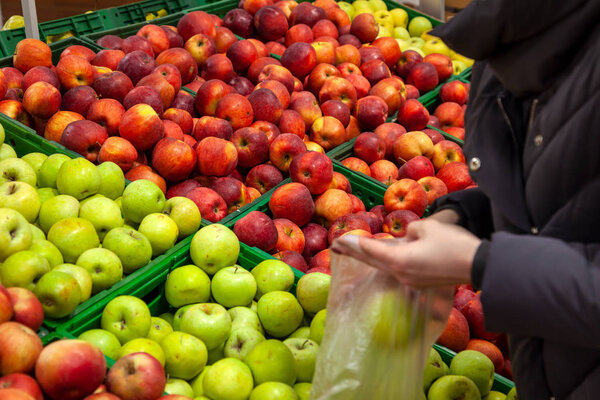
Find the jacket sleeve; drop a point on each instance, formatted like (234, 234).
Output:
(473, 207)
(543, 287)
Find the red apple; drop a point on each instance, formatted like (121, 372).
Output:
(369, 53)
(325, 51)
(434, 135)
(252, 146)
(23, 383)
(408, 59)
(242, 54)
(442, 64)
(182, 188)
(209, 95)
(455, 175)
(261, 48)
(299, 58)
(143, 171)
(113, 85)
(156, 36)
(84, 137)
(292, 193)
(144, 95)
(14, 394)
(181, 118)
(361, 85)
(19, 348)
(136, 376)
(321, 262)
(314, 170)
(118, 150)
(137, 43)
(256, 229)
(14, 78)
(252, 6)
(423, 76)
(338, 88)
(450, 114)
(325, 27)
(107, 113)
(171, 75)
(210, 126)
(293, 259)
(455, 91)
(347, 223)
(319, 75)
(79, 99)
(384, 171)
(137, 65)
(275, 48)
(108, 58)
(331, 205)
(102, 396)
(175, 39)
(110, 42)
(406, 194)
(31, 53)
(218, 66)
(216, 157)
(445, 152)
(58, 122)
(339, 181)
(74, 71)
(242, 85)
(173, 159)
(240, 21)
(338, 110)
(434, 187)
(416, 168)
(15, 110)
(271, 23)
(266, 106)
(328, 132)
(413, 115)
(306, 13)
(6, 305)
(233, 191)
(389, 132)
(369, 147)
(263, 177)
(236, 109)
(211, 205)
(456, 333)
(269, 129)
(455, 131)
(292, 122)
(141, 126)
(375, 71)
(389, 49)
(347, 53)
(196, 22)
(162, 86)
(364, 27)
(257, 66)
(184, 101)
(224, 39)
(289, 236)
(340, 19)
(411, 91)
(181, 59)
(371, 111)
(396, 222)
(315, 240)
(375, 223)
(392, 91)
(277, 73)
(490, 350)
(41, 100)
(348, 38)
(37, 74)
(284, 149)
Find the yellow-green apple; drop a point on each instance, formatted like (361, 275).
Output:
(113, 85)
(185, 355)
(450, 114)
(456, 333)
(183, 60)
(455, 91)
(142, 171)
(289, 236)
(160, 230)
(37, 74)
(82, 277)
(79, 99)
(490, 350)
(328, 132)
(302, 390)
(233, 286)
(84, 137)
(108, 58)
(293, 259)
(20, 348)
(103, 213)
(26, 308)
(238, 384)
(119, 151)
(273, 390)
(58, 122)
(136, 65)
(78, 178)
(74, 71)
(184, 213)
(384, 171)
(314, 170)
(141, 198)
(284, 149)
(57, 208)
(159, 329)
(411, 145)
(59, 293)
(396, 222)
(196, 22)
(143, 345)
(305, 351)
(476, 367)
(241, 341)
(272, 275)
(405, 194)
(41, 99)
(47, 250)
(141, 126)
(222, 253)
(173, 159)
(256, 229)
(269, 129)
(209, 322)
(277, 73)
(424, 76)
(17, 169)
(455, 175)
(346, 223)
(156, 36)
(356, 164)
(73, 236)
(31, 53)
(23, 383)
(211, 205)
(218, 66)
(83, 362)
(22, 197)
(445, 152)
(136, 376)
(272, 361)
(331, 205)
(434, 369)
(126, 317)
(233, 191)
(320, 262)
(15, 110)
(434, 187)
(263, 177)
(104, 267)
(371, 112)
(187, 285)
(297, 194)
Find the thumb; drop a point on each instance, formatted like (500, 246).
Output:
(383, 251)
(415, 230)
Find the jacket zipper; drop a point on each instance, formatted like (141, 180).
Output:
(531, 115)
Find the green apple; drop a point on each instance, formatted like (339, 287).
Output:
(23, 269)
(82, 277)
(233, 286)
(46, 193)
(378, 5)
(477, 367)
(161, 231)
(446, 368)
(228, 379)
(106, 342)
(305, 353)
(401, 33)
(127, 317)
(272, 361)
(347, 7)
(458, 66)
(178, 316)
(103, 266)
(404, 44)
(272, 275)
(418, 25)
(389, 319)
(317, 326)
(7, 152)
(56, 209)
(241, 341)
(185, 213)
(453, 387)
(178, 387)
(273, 391)
(384, 31)
(141, 198)
(159, 329)
(358, 4)
(198, 382)
(209, 322)
(494, 395)
(435, 46)
(201, 398)
(512, 394)
(37, 233)
(35, 160)
(78, 178)
(103, 213)
(301, 333)
(303, 390)
(279, 313)
(59, 294)
(15, 233)
(15, 169)
(73, 236)
(312, 291)
(112, 180)
(416, 42)
(22, 197)
(168, 317)
(133, 249)
(244, 317)
(47, 250)
(49, 170)
(254, 305)
(400, 17)
(216, 354)
(2, 135)
(143, 345)
(185, 355)
(187, 284)
(214, 247)
(434, 369)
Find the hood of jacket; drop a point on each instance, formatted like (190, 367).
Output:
(527, 43)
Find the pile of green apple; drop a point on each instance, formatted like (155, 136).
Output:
(231, 333)
(470, 376)
(70, 229)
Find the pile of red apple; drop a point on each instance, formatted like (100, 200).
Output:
(465, 331)
(449, 116)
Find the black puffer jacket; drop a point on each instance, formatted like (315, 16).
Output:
(533, 147)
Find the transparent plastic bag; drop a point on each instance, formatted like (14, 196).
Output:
(378, 335)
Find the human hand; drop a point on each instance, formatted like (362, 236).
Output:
(447, 216)
(432, 254)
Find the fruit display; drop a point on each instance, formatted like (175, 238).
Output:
(72, 230)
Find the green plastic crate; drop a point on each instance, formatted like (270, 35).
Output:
(501, 384)
(128, 14)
